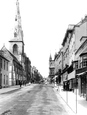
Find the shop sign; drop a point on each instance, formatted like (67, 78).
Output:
(71, 75)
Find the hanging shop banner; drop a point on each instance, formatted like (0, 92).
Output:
(71, 75)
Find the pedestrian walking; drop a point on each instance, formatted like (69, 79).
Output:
(20, 83)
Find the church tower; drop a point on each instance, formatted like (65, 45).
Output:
(51, 67)
(50, 60)
(17, 43)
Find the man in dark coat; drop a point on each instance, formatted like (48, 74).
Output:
(20, 83)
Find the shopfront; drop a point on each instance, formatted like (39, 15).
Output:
(82, 81)
(71, 79)
(65, 81)
(83, 84)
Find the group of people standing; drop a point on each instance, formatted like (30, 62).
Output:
(22, 83)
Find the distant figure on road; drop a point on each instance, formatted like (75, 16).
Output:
(25, 82)
(20, 83)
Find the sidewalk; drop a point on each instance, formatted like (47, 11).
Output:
(11, 88)
(67, 108)
(76, 103)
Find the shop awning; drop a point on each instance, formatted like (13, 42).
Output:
(81, 73)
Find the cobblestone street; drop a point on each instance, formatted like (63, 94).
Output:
(40, 100)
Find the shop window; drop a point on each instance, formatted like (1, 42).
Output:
(75, 83)
(76, 65)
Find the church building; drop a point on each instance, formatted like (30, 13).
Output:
(17, 43)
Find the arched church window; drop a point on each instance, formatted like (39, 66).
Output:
(15, 49)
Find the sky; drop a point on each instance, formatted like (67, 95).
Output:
(44, 24)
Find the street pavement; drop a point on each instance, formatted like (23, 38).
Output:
(76, 103)
(67, 107)
(36, 99)
(9, 89)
